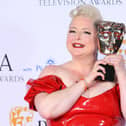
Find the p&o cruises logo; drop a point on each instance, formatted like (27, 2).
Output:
(9, 74)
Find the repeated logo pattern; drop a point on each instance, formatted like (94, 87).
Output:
(21, 116)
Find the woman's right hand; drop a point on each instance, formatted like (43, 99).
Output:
(94, 73)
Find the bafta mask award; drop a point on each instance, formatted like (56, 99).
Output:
(110, 37)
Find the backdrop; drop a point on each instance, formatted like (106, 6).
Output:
(33, 35)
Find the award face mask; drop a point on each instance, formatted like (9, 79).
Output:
(110, 36)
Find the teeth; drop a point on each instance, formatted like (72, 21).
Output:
(77, 45)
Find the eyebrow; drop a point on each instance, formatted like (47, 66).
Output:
(85, 28)
(76, 28)
(73, 27)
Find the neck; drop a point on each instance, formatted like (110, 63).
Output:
(83, 64)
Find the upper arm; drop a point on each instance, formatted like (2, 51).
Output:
(46, 71)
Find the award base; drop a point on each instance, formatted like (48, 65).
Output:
(109, 75)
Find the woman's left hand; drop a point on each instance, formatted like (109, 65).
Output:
(117, 61)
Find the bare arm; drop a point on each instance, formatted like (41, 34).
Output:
(57, 103)
(122, 85)
(118, 62)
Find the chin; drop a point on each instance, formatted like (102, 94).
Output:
(78, 55)
(81, 53)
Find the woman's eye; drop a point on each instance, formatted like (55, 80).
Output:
(72, 31)
(86, 32)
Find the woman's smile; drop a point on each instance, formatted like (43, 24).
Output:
(78, 45)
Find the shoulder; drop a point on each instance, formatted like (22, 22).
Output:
(61, 71)
(58, 70)
(49, 70)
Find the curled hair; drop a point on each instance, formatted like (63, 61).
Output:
(87, 11)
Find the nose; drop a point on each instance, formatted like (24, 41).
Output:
(78, 36)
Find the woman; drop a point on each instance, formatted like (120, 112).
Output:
(67, 94)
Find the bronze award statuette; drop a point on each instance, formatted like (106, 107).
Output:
(110, 37)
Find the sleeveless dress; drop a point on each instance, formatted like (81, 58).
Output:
(101, 110)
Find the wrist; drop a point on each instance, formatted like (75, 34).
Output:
(85, 83)
(121, 75)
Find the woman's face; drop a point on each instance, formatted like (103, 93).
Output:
(81, 38)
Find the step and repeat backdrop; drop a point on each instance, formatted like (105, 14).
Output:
(32, 36)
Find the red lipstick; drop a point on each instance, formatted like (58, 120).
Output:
(78, 45)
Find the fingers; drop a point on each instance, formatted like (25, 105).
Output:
(100, 74)
(101, 68)
(98, 70)
(100, 62)
(115, 60)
